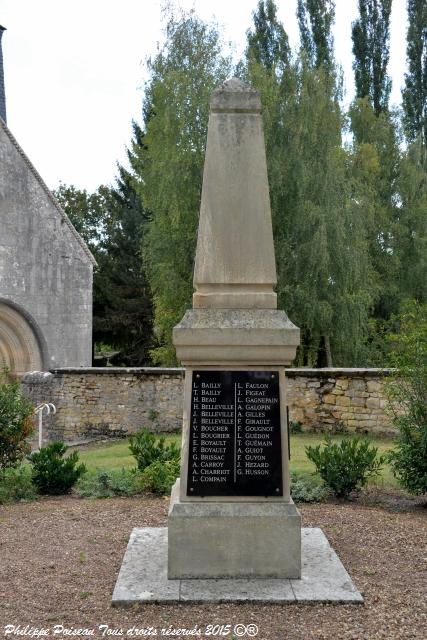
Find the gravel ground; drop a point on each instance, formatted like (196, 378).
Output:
(60, 557)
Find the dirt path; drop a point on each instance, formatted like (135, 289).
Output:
(59, 560)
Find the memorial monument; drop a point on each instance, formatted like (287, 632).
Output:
(231, 514)
(233, 532)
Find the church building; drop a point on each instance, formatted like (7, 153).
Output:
(45, 268)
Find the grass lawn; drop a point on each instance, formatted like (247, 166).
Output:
(117, 455)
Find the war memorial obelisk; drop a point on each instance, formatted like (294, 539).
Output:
(234, 534)
(231, 514)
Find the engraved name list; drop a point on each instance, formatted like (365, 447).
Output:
(235, 440)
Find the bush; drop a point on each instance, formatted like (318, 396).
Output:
(147, 448)
(16, 484)
(159, 477)
(347, 466)
(407, 394)
(16, 423)
(106, 484)
(52, 473)
(307, 489)
(295, 427)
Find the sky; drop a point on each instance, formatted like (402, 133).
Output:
(75, 72)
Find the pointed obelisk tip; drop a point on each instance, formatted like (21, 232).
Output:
(235, 95)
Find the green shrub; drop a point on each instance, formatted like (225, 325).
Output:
(106, 484)
(147, 448)
(159, 477)
(52, 473)
(407, 394)
(16, 423)
(295, 427)
(307, 489)
(16, 484)
(347, 466)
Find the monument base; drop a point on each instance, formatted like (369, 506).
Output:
(233, 540)
(143, 577)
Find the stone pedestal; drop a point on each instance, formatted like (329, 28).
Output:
(233, 539)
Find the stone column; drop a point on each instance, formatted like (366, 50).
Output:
(231, 514)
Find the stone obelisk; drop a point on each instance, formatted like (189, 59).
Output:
(231, 513)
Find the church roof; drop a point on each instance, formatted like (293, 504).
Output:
(48, 192)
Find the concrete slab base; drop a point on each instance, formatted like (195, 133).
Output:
(143, 577)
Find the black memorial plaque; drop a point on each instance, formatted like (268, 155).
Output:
(235, 439)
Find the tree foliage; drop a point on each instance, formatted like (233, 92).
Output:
(112, 221)
(88, 212)
(16, 423)
(407, 392)
(123, 310)
(324, 275)
(315, 20)
(414, 93)
(170, 165)
(268, 43)
(348, 217)
(371, 49)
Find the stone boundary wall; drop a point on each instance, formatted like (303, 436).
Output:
(105, 402)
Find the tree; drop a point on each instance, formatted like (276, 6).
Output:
(376, 164)
(371, 45)
(411, 226)
(407, 393)
(414, 93)
(112, 221)
(324, 268)
(321, 253)
(123, 313)
(87, 212)
(315, 20)
(268, 43)
(170, 165)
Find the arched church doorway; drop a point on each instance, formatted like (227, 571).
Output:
(19, 347)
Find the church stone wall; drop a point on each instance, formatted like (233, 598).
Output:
(109, 402)
(45, 268)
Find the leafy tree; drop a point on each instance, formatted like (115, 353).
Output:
(324, 274)
(170, 164)
(323, 262)
(112, 222)
(371, 49)
(315, 20)
(268, 43)
(411, 226)
(376, 165)
(87, 211)
(123, 313)
(407, 392)
(414, 93)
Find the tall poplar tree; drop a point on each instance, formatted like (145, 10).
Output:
(321, 253)
(414, 93)
(371, 49)
(315, 20)
(268, 43)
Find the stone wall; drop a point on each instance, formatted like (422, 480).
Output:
(112, 402)
(338, 399)
(108, 402)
